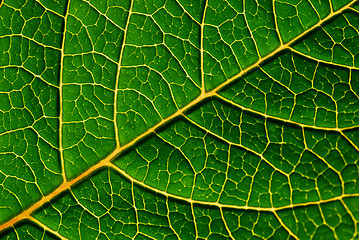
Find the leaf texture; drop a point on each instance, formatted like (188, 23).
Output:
(179, 119)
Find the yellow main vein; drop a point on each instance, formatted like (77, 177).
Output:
(118, 74)
(202, 46)
(60, 93)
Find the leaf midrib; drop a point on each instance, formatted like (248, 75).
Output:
(66, 185)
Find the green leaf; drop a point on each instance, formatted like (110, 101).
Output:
(179, 119)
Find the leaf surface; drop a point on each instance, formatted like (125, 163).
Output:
(179, 119)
